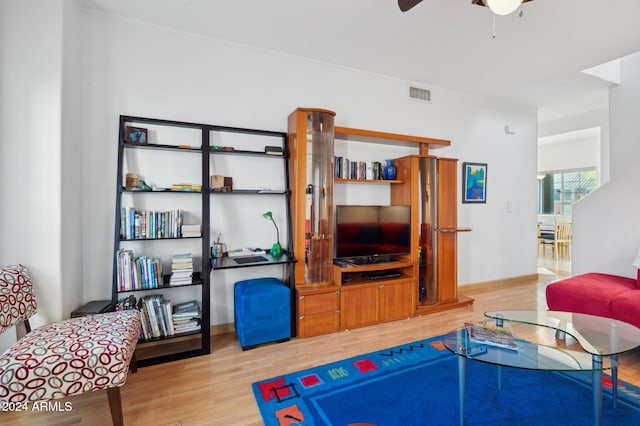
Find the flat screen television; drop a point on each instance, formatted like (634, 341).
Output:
(370, 234)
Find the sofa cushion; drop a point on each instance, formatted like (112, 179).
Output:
(626, 307)
(588, 293)
(68, 357)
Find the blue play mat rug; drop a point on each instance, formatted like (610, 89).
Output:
(417, 384)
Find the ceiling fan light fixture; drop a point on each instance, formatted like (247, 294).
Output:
(502, 7)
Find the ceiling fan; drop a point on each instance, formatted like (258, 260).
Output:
(499, 7)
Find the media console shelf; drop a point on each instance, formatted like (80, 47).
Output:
(371, 136)
(367, 180)
(367, 299)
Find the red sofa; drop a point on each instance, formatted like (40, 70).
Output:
(604, 295)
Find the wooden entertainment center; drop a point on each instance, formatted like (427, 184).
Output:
(332, 297)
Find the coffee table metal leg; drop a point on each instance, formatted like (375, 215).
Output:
(597, 389)
(462, 377)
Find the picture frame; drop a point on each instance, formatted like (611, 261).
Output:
(474, 182)
(136, 135)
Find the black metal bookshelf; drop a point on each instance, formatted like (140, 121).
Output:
(207, 196)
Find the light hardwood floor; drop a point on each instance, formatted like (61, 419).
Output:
(216, 389)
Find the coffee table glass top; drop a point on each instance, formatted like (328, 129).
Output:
(530, 356)
(596, 335)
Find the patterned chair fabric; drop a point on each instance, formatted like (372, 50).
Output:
(69, 357)
(64, 358)
(17, 302)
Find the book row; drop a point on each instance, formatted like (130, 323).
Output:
(347, 169)
(148, 224)
(142, 273)
(159, 318)
(137, 273)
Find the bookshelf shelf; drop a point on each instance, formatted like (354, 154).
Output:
(159, 339)
(247, 153)
(150, 289)
(251, 191)
(157, 191)
(195, 281)
(179, 148)
(342, 180)
(157, 239)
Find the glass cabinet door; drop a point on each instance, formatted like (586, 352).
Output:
(319, 215)
(311, 135)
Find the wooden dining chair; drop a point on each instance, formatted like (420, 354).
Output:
(545, 239)
(559, 240)
(562, 240)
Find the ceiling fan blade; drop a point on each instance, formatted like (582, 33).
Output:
(405, 5)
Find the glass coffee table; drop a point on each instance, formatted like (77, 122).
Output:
(577, 342)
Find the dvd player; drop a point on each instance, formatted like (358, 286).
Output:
(381, 275)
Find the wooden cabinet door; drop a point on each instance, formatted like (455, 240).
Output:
(316, 324)
(396, 300)
(318, 313)
(359, 306)
(447, 240)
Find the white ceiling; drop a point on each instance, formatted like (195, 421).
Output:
(536, 58)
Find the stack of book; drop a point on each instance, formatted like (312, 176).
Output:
(156, 317)
(126, 303)
(186, 187)
(186, 317)
(190, 230)
(181, 269)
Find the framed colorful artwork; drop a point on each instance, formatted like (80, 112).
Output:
(474, 182)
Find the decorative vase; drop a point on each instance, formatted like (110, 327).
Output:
(390, 170)
(276, 250)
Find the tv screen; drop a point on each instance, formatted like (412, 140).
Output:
(367, 232)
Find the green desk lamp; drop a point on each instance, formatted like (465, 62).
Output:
(276, 248)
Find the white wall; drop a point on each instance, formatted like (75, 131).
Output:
(72, 140)
(568, 151)
(66, 81)
(30, 146)
(597, 118)
(599, 246)
(138, 69)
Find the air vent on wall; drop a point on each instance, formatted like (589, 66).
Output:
(419, 94)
